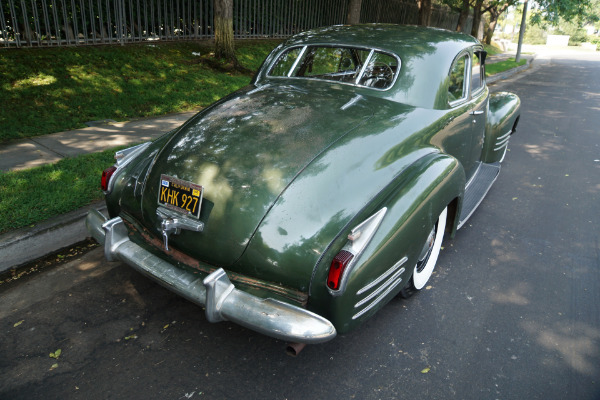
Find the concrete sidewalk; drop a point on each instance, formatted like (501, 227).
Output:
(27, 244)
(40, 150)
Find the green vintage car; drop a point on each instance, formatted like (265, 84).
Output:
(300, 205)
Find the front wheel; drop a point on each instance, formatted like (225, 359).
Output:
(428, 257)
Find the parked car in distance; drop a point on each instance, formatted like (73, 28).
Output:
(300, 205)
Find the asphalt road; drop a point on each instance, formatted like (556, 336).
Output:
(513, 312)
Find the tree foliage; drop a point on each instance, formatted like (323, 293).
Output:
(550, 11)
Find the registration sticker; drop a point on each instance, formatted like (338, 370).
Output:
(180, 195)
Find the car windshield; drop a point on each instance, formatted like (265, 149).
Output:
(364, 67)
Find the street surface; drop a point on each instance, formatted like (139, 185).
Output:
(513, 312)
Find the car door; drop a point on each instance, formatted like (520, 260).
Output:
(468, 112)
(480, 100)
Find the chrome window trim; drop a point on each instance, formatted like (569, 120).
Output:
(289, 74)
(467, 79)
(364, 68)
(482, 72)
(372, 50)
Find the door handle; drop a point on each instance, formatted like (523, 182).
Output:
(478, 112)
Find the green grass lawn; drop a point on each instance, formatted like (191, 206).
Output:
(491, 69)
(36, 194)
(47, 90)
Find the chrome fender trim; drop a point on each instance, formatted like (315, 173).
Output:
(215, 292)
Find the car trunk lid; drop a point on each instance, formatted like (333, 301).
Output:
(244, 152)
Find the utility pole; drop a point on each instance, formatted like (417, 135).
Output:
(521, 32)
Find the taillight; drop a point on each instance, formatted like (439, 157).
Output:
(336, 271)
(106, 175)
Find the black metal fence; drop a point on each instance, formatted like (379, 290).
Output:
(401, 12)
(84, 22)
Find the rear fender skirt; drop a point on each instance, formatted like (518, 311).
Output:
(414, 200)
(503, 114)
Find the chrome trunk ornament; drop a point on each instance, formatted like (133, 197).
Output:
(172, 223)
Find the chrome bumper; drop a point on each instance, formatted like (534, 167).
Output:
(215, 292)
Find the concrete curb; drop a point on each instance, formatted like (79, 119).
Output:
(507, 74)
(28, 244)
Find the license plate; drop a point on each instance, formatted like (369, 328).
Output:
(180, 195)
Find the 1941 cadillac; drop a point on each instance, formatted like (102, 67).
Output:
(300, 205)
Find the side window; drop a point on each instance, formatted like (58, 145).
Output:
(476, 73)
(457, 87)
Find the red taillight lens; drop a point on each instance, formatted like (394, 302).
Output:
(106, 174)
(336, 271)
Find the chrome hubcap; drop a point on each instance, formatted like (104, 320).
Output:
(426, 251)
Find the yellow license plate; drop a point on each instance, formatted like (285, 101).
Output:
(180, 195)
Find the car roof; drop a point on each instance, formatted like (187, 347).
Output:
(399, 39)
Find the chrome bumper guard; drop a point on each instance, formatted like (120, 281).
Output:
(216, 292)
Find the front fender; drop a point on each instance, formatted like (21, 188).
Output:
(503, 115)
(414, 201)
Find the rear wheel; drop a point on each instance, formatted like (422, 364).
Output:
(428, 257)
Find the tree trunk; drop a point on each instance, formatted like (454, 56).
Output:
(424, 12)
(354, 7)
(495, 13)
(463, 16)
(476, 18)
(223, 22)
(489, 31)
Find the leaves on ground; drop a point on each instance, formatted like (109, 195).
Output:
(56, 354)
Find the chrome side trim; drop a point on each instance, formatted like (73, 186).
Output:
(500, 138)
(502, 141)
(378, 299)
(351, 102)
(215, 292)
(390, 278)
(383, 276)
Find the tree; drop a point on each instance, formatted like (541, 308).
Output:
(354, 7)
(477, 14)
(495, 9)
(223, 21)
(550, 11)
(463, 7)
(424, 12)
(494, 14)
(463, 16)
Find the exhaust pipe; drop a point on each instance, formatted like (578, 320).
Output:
(293, 349)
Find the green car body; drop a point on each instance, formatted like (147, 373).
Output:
(290, 166)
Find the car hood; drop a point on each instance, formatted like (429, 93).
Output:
(245, 151)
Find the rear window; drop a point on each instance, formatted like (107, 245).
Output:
(363, 67)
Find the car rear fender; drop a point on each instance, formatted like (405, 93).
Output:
(413, 201)
(503, 116)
